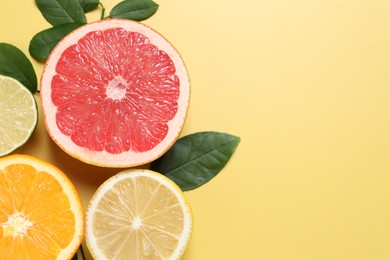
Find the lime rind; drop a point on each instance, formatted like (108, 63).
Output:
(18, 115)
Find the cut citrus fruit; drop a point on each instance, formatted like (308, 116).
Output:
(115, 93)
(41, 215)
(138, 214)
(19, 115)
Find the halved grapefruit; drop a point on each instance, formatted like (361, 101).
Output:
(115, 93)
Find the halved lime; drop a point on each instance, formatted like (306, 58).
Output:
(18, 115)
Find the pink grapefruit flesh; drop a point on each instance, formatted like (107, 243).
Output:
(115, 93)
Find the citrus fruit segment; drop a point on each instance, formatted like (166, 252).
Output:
(19, 115)
(41, 216)
(115, 93)
(138, 214)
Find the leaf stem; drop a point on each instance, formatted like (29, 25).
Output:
(103, 10)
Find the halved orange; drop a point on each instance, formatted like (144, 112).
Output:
(41, 214)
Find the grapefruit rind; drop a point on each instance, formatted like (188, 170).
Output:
(68, 189)
(103, 158)
(134, 173)
(32, 126)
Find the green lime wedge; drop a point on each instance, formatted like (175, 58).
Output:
(18, 115)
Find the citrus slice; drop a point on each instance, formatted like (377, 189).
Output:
(138, 214)
(19, 115)
(115, 93)
(41, 215)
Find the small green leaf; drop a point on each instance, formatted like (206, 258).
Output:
(79, 254)
(43, 42)
(14, 63)
(195, 159)
(75, 257)
(61, 11)
(89, 5)
(136, 10)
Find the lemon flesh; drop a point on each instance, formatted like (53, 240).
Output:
(138, 214)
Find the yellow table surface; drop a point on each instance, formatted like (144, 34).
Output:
(306, 85)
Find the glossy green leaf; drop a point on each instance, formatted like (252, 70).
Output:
(58, 12)
(195, 159)
(136, 10)
(14, 63)
(44, 42)
(89, 5)
(80, 255)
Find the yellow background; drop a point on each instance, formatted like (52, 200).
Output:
(306, 85)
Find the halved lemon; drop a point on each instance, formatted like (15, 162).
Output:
(41, 214)
(19, 115)
(138, 214)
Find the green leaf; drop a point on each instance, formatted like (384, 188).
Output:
(79, 254)
(61, 11)
(75, 257)
(136, 10)
(14, 63)
(44, 42)
(195, 159)
(89, 5)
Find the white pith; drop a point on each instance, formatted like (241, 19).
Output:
(103, 158)
(137, 223)
(16, 225)
(116, 88)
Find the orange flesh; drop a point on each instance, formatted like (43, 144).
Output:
(36, 221)
(115, 92)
